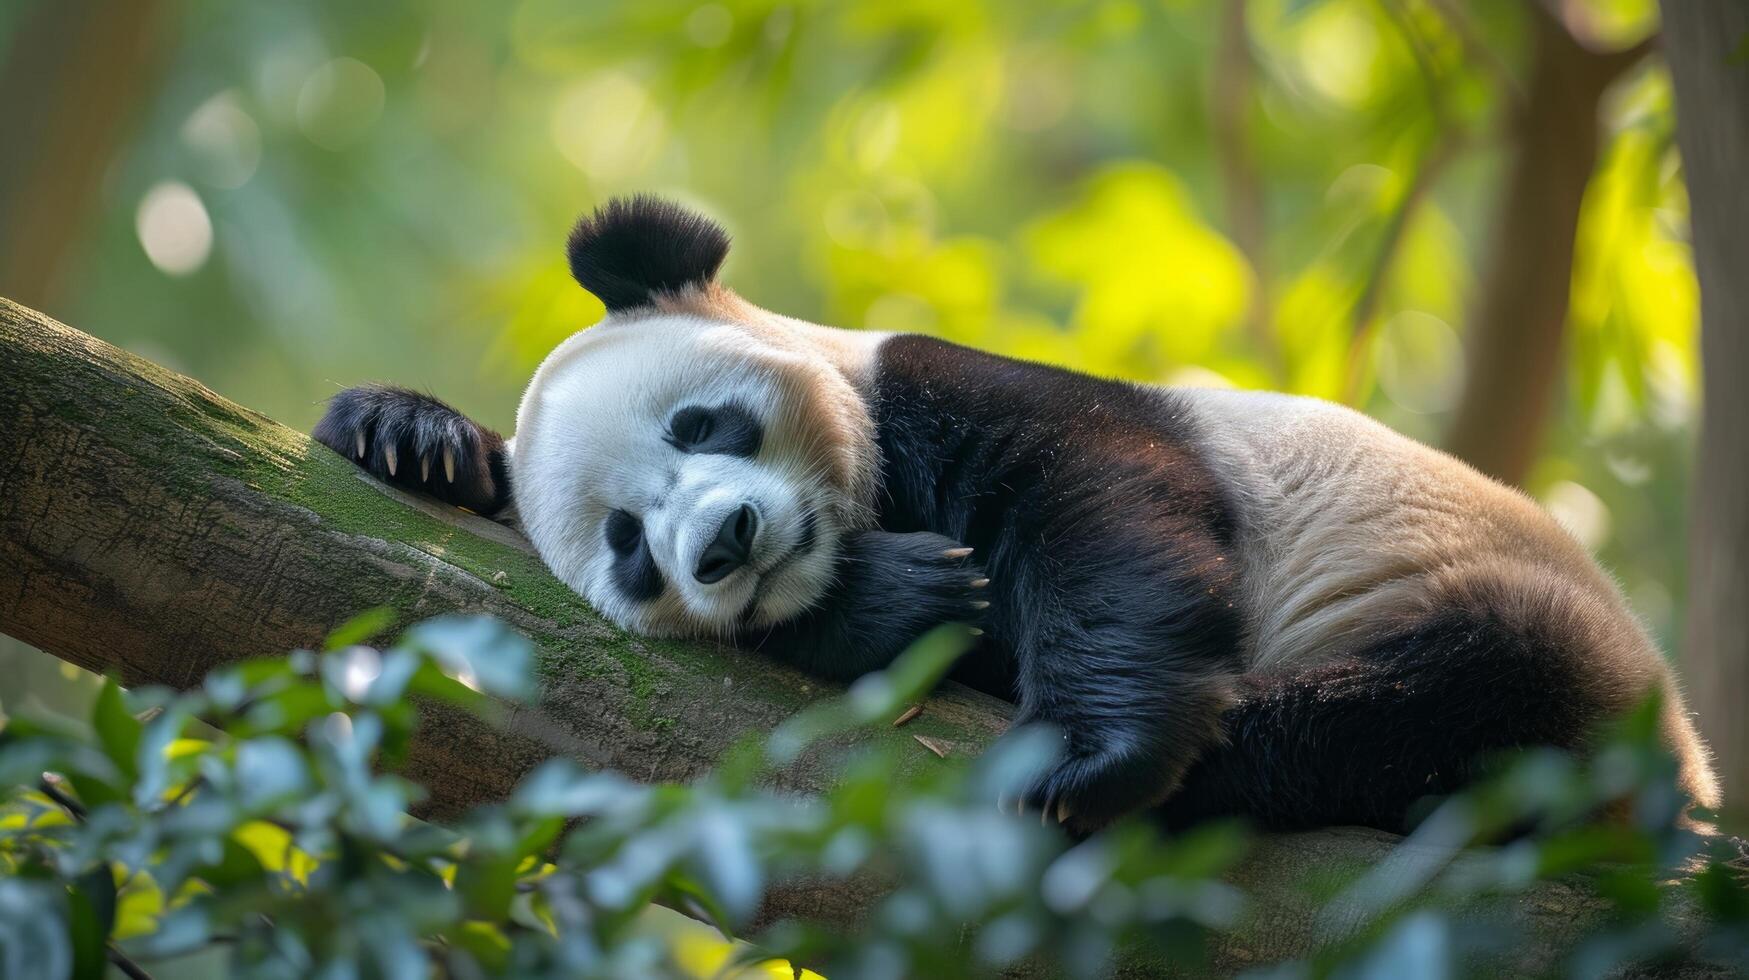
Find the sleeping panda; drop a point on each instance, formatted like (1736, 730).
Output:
(1228, 603)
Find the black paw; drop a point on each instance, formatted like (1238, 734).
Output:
(889, 590)
(904, 585)
(418, 443)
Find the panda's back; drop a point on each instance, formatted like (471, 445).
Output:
(1349, 529)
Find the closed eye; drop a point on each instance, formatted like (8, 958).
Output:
(726, 430)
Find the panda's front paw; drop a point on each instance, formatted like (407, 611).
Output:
(904, 585)
(418, 443)
(889, 590)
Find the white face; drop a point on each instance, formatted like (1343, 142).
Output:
(689, 475)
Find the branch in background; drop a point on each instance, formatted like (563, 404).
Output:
(68, 87)
(151, 528)
(1234, 72)
(1447, 141)
(1477, 51)
(1706, 45)
(1514, 336)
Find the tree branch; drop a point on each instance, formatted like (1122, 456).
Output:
(150, 527)
(1231, 98)
(1516, 332)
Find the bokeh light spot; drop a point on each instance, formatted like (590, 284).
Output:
(1580, 511)
(339, 103)
(608, 127)
(1420, 362)
(174, 228)
(225, 139)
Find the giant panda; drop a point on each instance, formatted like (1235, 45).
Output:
(1228, 603)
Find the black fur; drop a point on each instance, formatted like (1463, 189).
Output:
(419, 428)
(633, 249)
(889, 590)
(1362, 740)
(634, 569)
(1101, 574)
(1108, 542)
(1105, 540)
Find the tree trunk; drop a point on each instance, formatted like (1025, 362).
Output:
(1513, 341)
(68, 85)
(1708, 45)
(150, 528)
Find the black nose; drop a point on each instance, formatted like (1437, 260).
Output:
(732, 547)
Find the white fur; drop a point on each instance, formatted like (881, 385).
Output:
(589, 440)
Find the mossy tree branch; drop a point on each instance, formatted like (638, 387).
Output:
(152, 529)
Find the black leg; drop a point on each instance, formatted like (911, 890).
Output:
(890, 589)
(1367, 738)
(1132, 655)
(418, 443)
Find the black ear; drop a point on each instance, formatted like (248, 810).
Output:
(632, 249)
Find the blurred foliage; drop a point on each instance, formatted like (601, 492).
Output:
(327, 192)
(256, 820)
(320, 193)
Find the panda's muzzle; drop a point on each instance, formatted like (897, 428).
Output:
(731, 548)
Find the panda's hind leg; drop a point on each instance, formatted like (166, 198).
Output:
(1491, 664)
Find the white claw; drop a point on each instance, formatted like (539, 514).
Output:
(1020, 807)
(956, 552)
(974, 631)
(390, 458)
(979, 583)
(448, 464)
(359, 438)
(424, 468)
(980, 604)
(1063, 813)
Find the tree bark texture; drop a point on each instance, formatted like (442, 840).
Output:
(150, 528)
(1708, 49)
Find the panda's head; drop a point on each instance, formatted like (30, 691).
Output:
(691, 463)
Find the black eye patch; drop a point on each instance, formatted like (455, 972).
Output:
(634, 569)
(726, 430)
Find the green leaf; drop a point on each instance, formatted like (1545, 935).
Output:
(91, 916)
(154, 754)
(238, 865)
(486, 943)
(482, 652)
(361, 628)
(559, 787)
(33, 931)
(727, 865)
(487, 884)
(97, 886)
(269, 771)
(874, 698)
(117, 730)
(183, 930)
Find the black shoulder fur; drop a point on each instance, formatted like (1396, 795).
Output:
(632, 249)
